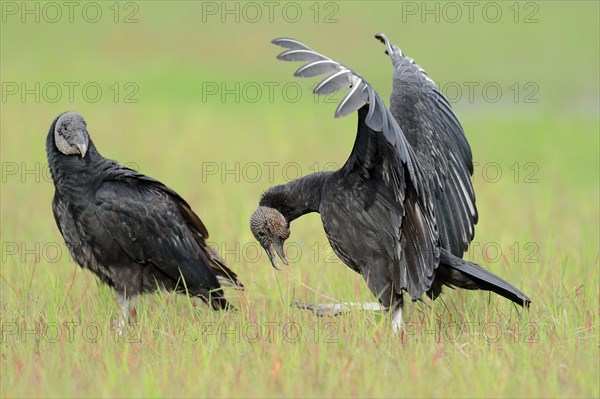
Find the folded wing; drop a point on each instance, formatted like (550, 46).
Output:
(152, 224)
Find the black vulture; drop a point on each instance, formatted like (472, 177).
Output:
(401, 211)
(136, 234)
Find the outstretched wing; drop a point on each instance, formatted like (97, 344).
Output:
(381, 144)
(378, 117)
(152, 224)
(440, 147)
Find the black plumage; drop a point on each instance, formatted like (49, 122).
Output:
(401, 211)
(136, 234)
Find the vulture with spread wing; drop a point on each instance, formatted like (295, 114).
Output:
(401, 211)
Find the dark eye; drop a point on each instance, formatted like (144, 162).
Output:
(261, 233)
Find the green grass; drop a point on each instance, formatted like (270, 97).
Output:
(544, 219)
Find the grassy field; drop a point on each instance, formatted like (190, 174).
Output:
(191, 94)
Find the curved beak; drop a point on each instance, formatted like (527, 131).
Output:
(276, 247)
(82, 147)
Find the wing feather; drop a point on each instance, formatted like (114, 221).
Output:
(153, 226)
(440, 146)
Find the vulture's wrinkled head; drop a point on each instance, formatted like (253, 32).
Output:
(70, 134)
(270, 229)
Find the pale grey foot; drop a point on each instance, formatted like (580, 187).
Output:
(334, 309)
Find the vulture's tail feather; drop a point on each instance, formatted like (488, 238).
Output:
(483, 279)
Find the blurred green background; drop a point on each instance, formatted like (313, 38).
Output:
(190, 93)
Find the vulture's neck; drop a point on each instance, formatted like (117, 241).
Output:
(297, 197)
(72, 172)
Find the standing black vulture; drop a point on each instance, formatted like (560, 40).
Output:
(401, 210)
(136, 234)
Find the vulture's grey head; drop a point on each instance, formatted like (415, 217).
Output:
(70, 134)
(271, 230)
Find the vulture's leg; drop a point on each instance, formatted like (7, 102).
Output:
(123, 320)
(333, 309)
(397, 320)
